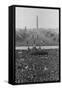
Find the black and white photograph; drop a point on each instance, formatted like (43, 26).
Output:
(36, 45)
(30, 47)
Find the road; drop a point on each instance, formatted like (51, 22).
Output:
(42, 47)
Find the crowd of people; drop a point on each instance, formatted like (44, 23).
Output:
(36, 68)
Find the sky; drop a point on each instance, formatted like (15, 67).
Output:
(47, 18)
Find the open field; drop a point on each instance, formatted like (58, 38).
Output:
(37, 68)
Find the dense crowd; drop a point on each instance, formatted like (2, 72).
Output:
(36, 68)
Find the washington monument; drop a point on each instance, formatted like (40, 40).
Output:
(37, 22)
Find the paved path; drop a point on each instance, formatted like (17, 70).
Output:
(42, 47)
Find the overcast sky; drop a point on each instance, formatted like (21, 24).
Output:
(47, 18)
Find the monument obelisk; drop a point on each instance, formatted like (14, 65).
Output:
(37, 22)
